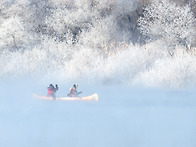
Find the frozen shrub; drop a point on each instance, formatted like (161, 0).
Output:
(168, 22)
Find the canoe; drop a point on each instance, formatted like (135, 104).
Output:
(93, 97)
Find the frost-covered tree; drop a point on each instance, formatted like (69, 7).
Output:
(12, 33)
(67, 21)
(168, 22)
(91, 23)
(15, 29)
(37, 11)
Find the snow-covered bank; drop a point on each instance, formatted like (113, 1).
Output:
(132, 65)
(101, 41)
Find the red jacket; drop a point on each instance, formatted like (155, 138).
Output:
(73, 92)
(50, 91)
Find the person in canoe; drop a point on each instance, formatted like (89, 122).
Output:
(73, 91)
(52, 90)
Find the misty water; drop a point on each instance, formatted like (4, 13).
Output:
(124, 116)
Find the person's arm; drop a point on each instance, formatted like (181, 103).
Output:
(56, 87)
(77, 93)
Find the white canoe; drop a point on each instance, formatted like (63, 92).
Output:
(93, 97)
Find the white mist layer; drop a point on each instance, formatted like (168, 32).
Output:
(130, 65)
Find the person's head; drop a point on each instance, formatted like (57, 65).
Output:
(75, 86)
(51, 86)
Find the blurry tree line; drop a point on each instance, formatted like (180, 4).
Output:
(96, 23)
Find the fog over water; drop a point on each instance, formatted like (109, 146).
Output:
(123, 116)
